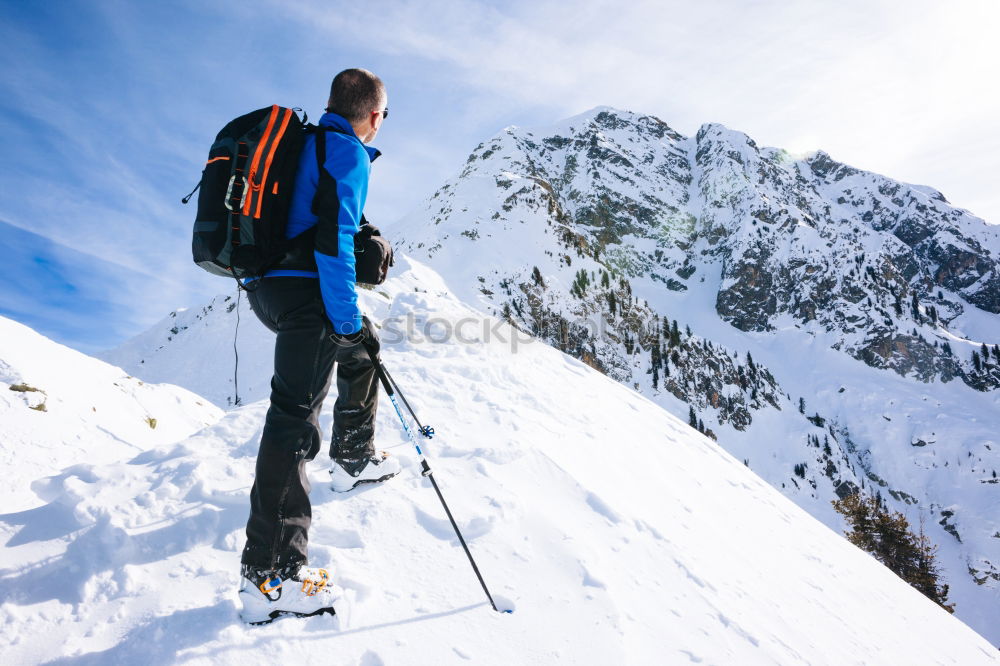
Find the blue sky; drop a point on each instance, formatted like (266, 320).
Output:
(107, 110)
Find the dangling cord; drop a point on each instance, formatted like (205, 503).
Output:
(240, 288)
(236, 352)
(188, 197)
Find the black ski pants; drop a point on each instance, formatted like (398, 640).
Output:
(304, 357)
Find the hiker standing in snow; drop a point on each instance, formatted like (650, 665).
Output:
(309, 300)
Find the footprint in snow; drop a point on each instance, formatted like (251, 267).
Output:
(442, 529)
(330, 536)
(601, 507)
(161, 455)
(589, 579)
(53, 488)
(692, 656)
(504, 604)
(370, 658)
(643, 526)
(496, 456)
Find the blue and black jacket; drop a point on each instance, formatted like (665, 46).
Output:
(333, 203)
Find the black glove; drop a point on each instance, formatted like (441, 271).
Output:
(365, 336)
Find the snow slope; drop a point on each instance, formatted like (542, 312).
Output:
(618, 534)
(93, 412)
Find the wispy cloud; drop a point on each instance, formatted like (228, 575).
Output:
(885, 85)
(107, 109)
(63, 292)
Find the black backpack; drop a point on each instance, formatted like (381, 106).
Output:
(246, 190)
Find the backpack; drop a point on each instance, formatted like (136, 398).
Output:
(246, 190)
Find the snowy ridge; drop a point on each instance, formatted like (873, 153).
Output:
(182, 349)
(680, 554)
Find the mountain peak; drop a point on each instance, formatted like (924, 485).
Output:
(598, 120)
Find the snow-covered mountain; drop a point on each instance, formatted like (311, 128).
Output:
(617, 204)
(833, 328)
(676, 553)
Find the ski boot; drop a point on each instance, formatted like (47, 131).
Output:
(302, 592)
(378, 467)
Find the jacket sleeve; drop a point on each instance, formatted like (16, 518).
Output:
(343, 189)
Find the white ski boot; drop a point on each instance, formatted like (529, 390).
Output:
(379, 467)
(305, 593)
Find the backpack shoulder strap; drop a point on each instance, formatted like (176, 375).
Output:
(326, 187)
(320, 133)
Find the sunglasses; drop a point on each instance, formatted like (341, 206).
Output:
(385, 112)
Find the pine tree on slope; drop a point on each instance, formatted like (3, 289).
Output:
(888, 538)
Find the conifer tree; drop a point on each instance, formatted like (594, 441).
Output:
(888, 538)
(536, 275)
(692, 417)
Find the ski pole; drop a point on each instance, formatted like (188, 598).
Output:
(425, 469)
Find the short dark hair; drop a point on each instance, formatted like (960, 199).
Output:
(355, 93)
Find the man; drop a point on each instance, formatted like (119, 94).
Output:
(309, 301)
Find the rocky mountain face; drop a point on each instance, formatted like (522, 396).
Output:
(762, 296)
(884, 266)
